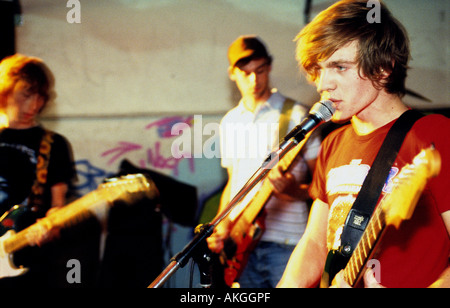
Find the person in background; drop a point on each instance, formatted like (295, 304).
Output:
(36, 164)
(261, 110)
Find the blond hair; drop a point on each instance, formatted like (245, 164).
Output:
(28, 69)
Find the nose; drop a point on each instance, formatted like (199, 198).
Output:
(252, 78)
(324, 82)
(36, 103)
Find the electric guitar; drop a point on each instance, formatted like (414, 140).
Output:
(127, 189)
(392, 210)
(248, 223)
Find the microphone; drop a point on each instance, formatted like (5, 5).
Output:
(320, 112)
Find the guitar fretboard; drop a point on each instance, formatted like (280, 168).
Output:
(365, 247)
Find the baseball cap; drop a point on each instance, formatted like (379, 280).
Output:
(247, 46)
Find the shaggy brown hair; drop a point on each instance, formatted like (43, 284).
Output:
(383, 46)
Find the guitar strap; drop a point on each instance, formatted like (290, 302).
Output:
(36, 199)
(285, 117)
(367, 199)
(283, 126)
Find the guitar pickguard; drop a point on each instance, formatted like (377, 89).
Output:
(7, 266)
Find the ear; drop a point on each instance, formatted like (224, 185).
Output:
(386, 72)
(231, 73)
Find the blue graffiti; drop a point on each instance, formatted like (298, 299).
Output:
(89, 177)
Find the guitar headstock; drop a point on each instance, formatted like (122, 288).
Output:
(431, 159)
(129, 188)
(409, 184)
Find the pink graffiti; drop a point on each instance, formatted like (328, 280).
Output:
(154, 158)
(122, 149)
(164, 126)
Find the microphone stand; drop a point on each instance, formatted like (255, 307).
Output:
(290, 141)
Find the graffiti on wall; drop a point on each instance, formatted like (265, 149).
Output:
(150, 156)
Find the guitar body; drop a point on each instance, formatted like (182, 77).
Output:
(7, 266)
(238, 248)
(248, 227)
(14, 220)
(17, 218)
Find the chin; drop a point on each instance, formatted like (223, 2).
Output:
(339, 118)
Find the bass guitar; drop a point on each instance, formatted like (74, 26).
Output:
(391, 211)
(127, 189)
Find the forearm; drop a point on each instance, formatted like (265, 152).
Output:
(305, 266)
(221, 231)
(299, 193)
(306, 263)
(59, 192)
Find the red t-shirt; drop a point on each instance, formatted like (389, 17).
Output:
(417, 253)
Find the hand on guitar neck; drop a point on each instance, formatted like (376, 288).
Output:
(221, 233)
(46, 231)
(286, 187)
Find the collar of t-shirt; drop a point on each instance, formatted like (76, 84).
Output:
(274, 102)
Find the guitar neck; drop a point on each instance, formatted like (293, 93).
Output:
(265, 192)
(79, 210)
(366, 247)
